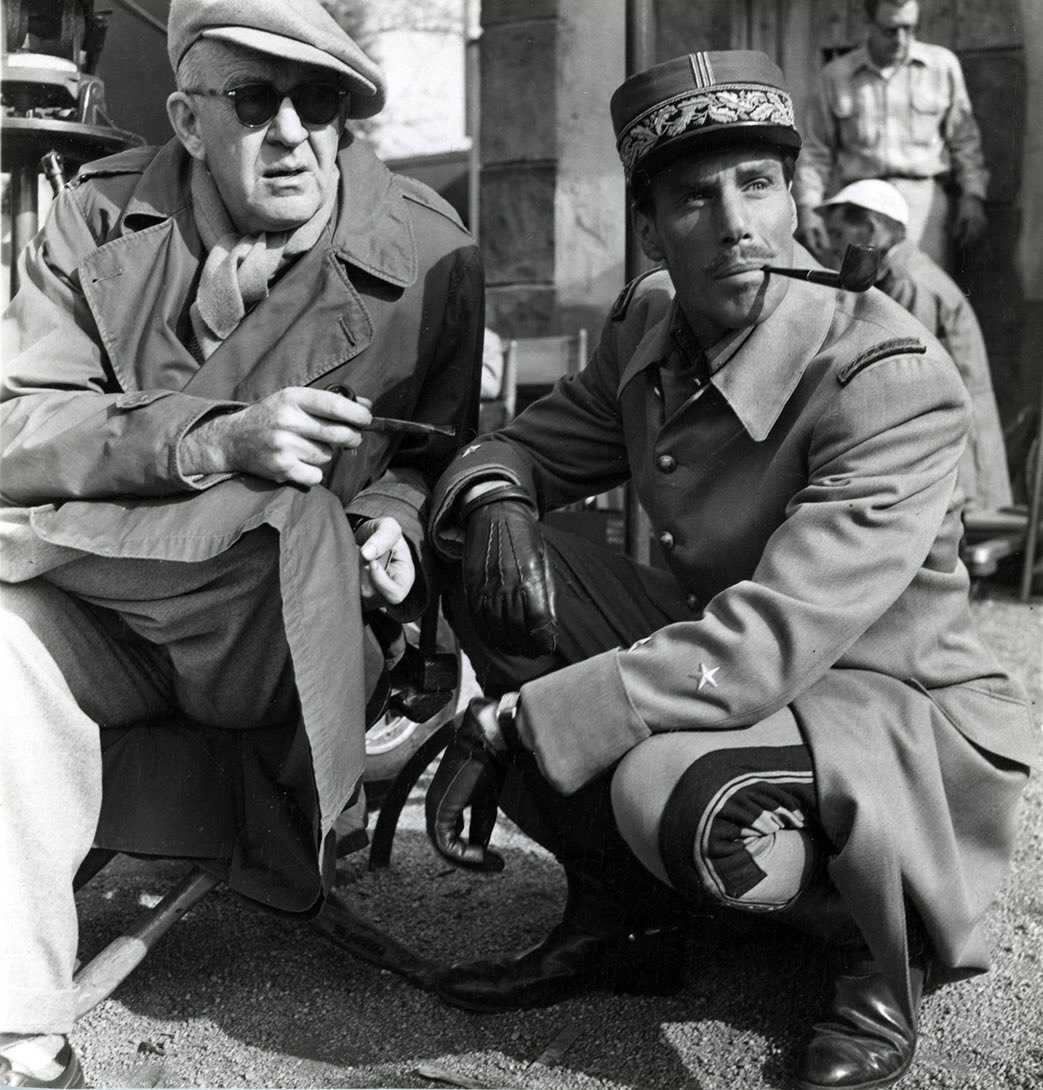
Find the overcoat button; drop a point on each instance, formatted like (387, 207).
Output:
(666, 540)
(667, 463)
(692, 601)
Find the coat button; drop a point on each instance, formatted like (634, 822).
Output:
(692, 601)
(666, 463)
(666, 540)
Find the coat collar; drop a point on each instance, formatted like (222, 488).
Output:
(756, 371)
(374, 230)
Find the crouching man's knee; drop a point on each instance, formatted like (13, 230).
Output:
(735, 826)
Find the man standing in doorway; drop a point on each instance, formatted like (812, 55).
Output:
(895, 108)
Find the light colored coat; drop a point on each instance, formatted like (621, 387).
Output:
(912, 279)
(99, 387)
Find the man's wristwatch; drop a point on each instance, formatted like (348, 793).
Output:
(506, 716)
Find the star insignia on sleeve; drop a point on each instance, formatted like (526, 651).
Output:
(470, 450)
(707, 676)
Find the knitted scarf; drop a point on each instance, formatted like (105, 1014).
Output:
(238, 268)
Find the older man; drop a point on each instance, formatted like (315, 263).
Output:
(201, 527)
(896, 108)
(874, 213)
(796, 718)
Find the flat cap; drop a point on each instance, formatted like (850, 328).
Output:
(298, 30)
(876, 195)
(698, 101)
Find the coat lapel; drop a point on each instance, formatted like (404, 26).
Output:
(140, 284)
(314, 320)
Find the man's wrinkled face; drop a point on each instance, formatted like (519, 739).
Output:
(715, 218)
(892, 32)
(273, 177)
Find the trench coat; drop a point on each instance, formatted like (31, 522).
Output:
(99, 386)
(805, 501)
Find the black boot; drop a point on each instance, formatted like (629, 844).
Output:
(596, 945)
(868, 1040)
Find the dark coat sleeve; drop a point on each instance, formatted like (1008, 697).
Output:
(564, 447)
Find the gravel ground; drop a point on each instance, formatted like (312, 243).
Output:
(234, 997)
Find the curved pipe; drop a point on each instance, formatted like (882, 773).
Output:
(858, 271)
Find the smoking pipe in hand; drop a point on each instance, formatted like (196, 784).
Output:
(858, 270)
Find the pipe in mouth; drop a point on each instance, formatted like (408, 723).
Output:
(858, 270)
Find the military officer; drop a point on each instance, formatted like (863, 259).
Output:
(793, 718)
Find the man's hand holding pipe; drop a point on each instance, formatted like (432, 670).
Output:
(289, 436)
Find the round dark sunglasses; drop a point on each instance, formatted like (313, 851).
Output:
(257, 103)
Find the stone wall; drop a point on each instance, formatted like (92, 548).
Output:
(552, 213)
(420, 48)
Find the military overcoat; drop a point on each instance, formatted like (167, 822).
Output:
(99, 386)
(805, 502)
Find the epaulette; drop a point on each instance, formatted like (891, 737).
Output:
(619, 307)
(131, 161)
(899, 346)
(425, 196)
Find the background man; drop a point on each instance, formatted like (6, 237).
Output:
(895, 108)
(874, 213)
(201, 527)
(796, 718)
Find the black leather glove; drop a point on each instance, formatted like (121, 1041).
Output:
(470, 774)
(507, 577)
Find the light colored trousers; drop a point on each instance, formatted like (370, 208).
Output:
(154, 646)
(929, 226)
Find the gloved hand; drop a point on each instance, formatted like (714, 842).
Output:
(507, 577)
(470, 774)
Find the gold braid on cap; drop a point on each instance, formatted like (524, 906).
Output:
(732, 104)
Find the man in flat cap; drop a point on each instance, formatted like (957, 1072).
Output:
(203, 533)
(793, 715)
(874, 213)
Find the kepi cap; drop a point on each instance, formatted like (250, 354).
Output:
(699, 101)
(876, 195)
(298, 30)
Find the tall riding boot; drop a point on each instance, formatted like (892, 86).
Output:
(867, 1040)
(621, 926)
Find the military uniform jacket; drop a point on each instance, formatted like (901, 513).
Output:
(99, 387)
(805, 500)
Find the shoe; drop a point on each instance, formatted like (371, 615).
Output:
(71, 1074)
(569, 960)
(868, 1041)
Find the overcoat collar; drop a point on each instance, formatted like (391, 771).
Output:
(756, 373)
(139, 283)
(373, 232)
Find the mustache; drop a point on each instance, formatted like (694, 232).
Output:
(753, 257)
